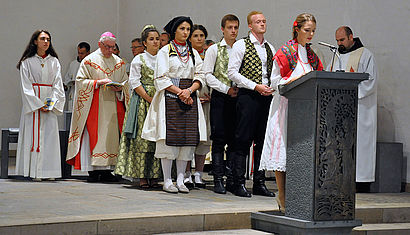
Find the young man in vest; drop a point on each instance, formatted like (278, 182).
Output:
(354, 57)
(223, 102)
(250, 67)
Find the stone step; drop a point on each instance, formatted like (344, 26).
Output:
(382, 229)
(383, 215)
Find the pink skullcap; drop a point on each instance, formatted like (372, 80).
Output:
(108, 34)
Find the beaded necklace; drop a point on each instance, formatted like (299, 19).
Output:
(183, 54)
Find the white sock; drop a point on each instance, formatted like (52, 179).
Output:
(198, 177)
(166, 165)
(181, 166)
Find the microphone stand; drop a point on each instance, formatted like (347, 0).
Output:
(333, 49)
(333, 57)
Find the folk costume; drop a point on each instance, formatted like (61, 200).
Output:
(69, 81)
(98, 114)
(177, 128)
(250, 63)
(136, 156)
(222, 111)
(38, 149)
(359, 59)
(293, 60)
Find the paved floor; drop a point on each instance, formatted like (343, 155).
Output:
(24, 202)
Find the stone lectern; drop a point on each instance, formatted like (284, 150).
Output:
(321, 156)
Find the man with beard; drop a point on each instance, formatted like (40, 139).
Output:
(354, 57)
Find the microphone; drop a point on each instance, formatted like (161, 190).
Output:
(327, 45)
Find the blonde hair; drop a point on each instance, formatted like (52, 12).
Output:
(300, 20)
(252, 13)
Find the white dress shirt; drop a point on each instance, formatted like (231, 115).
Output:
(209, 66)
(235, 62)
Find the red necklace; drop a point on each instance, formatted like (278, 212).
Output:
(183, 60)
(179, 43)
(303, 67)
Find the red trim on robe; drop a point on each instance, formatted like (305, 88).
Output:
(92, 128)
(92, 120)
(120, 114)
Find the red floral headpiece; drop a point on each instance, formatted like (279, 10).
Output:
(295, 23)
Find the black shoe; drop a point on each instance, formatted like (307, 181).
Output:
(260, 189)
(200, 185)
(219, 187)
(93, 177)
(241, 191)
(230, 187)
(189, 185)
(106, 176)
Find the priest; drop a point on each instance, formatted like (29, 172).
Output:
(98, 112)
(354, 57)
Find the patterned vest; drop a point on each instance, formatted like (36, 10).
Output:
(221, 65)
(147, 74)
(251, 66)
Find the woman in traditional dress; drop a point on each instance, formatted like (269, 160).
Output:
(38, 149)
(197, 40)
(175, 119)
(294, 59)
(136, 156)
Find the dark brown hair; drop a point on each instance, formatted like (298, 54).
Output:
(229, 17)
(31, 48)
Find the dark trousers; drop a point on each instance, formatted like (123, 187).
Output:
(222, 118)
(252, 112)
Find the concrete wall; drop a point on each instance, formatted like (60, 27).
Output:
(381, 25)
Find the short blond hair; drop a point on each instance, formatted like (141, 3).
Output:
(252, 13)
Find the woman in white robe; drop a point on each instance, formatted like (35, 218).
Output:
(38, 150)
(294, 59)
(175, 104)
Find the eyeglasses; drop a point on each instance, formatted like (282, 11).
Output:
(45, 39)
(108, 47)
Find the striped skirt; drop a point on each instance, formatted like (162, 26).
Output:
(181, 119)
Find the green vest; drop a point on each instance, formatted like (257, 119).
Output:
(147, 74)
(221, 65)
(251, 66)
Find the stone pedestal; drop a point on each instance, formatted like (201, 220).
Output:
(278, 224)
(321, 150)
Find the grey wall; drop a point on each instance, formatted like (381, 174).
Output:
(381, 25)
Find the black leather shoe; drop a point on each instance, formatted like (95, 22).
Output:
(230, 187)
(260, 189)
(241, 191)
(200, 185)
(107, 177)
(93, 177)
(219, 187)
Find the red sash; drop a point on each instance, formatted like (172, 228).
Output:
(38, 85)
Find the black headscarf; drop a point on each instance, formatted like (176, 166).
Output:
(172, 26)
